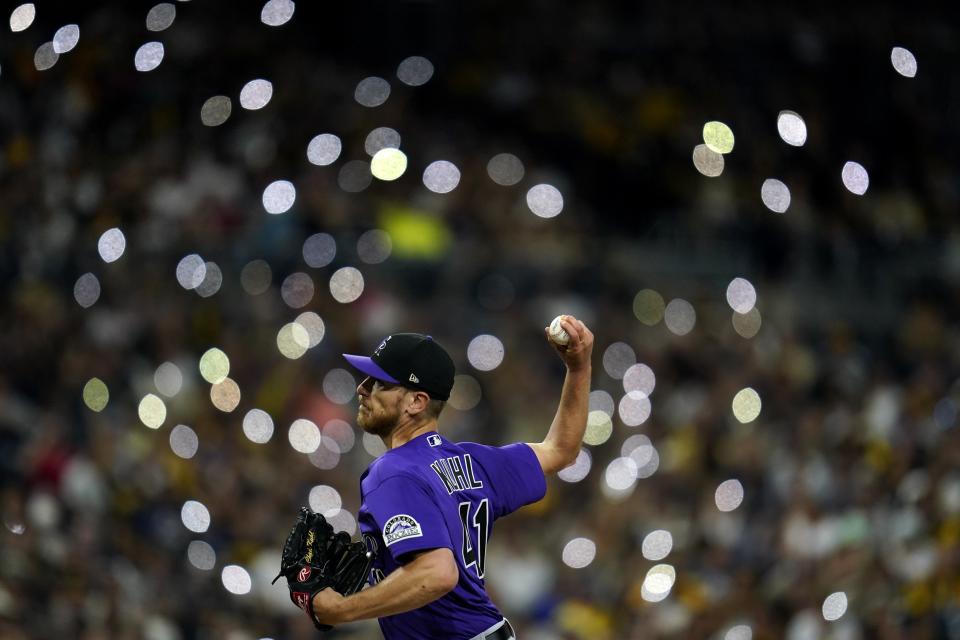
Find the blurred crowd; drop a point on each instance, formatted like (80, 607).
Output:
(850, 472)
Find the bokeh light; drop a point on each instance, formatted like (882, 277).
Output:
(324, 149)
(545, 200)
(792, 128)
(600, 400)
(111, 245)
(66, 38)
(293, 340)
(168, 379)
(855, 178)
(659, 580)
(746, 405)
(617, 358)
(718, 137)
(505, 169)
(201, 555)
(648, 307)
(388, 164)
(256, 94)
(304, 436)
(834, 606)
(325, 500)
(319, 250)
(639, 377)
(382, 138)
(374, 246)
(326, 456)
(212, 279)
(346, 285)
(741, 295)
(441, 176)
(634, 408)
(739, 632)
(729, 495)
(152, 411)
(279, 196)
(22, 17)
(707, 161)
(343, 520)
(338, 434)
(236, 579)
(373, 445)
(621, 474)
(45, 57)
(184, 441)
(95, 394)
(657, 545)
(214, 365)
(195, 516)
(415, 71)
(225, 395)
(297, 290)
(579, 469)
(191, 270)
(372, 91)
(775, 195)
(579, 553)
(161, 16)
(215, 111)
(599, 428)
(149, 56)
(277, 12)
(314, 326)
(485, 352)
(339, 386)
(86, 291)
(747, 324)
(652, 464)
(680, 317)
(638, 447)
(466, 392)
(258, 426)
(904, 62)
(255, 277)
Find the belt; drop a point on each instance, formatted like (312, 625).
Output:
(503, 632)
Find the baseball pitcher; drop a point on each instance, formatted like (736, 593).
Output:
(428, 504)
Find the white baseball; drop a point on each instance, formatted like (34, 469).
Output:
(557, 333)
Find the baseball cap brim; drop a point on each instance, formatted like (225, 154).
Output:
(366, 365)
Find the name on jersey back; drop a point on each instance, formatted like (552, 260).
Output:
(456, 473)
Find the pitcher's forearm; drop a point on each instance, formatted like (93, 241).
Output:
(426, 578)
(570, 422)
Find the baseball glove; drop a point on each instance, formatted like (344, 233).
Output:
(314, 558)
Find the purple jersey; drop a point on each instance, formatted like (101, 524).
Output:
(431, 493)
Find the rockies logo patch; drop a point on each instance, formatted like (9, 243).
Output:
(401, 527)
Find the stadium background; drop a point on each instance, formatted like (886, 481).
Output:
(849, 473)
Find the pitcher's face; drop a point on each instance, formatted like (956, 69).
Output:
(380, 406)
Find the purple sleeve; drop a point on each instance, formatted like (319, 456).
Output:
(517, 477)
(407, 516)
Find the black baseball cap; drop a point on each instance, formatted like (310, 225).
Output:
(412, 360)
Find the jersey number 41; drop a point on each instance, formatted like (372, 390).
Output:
(475, 548)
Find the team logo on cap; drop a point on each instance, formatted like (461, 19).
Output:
(383, 345)
(401, 527)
